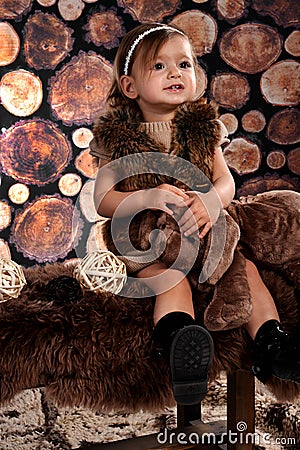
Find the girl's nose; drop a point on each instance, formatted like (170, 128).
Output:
(174, 72)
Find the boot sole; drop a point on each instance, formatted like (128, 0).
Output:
(190, 358)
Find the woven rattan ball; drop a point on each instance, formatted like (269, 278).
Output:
(101, 270)
(12, 279)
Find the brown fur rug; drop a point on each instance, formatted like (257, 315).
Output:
(98, 352)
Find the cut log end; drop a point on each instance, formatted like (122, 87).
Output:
(12, 9)
(250, 47)
(5, 215)
(46, 229)
(267, 183)
(46, 3)
(18, 193)
(231, 10)
(280, 83)
(95, 240)
(86, 202)
(47, 41)
(82, 137)
(253, 121)
(75, 94)
(10, 44)
(284, 127)
(4, 249)
(276, 159)
(243, 156)
(34, 152)
(144, 11)
(292, 43)
(70, 184)
(21, 92)
(70, 10)
(105, 28)
(85, 163)
(285, 13)
(293, 160)
(230, 121)
(201, 29)
(230, 90)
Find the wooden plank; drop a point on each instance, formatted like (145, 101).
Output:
(240, 410)
(184, 438)
(187, 413)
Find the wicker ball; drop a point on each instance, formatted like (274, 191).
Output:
(101, 270)
(12, 279)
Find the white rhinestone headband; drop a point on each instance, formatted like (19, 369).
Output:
(140, 37)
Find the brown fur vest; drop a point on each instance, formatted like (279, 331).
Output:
(195, 134)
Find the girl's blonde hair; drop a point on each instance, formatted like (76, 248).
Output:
(147, 48)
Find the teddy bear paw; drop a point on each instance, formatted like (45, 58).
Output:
(224, 316)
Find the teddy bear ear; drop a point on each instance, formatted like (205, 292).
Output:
(219, 251)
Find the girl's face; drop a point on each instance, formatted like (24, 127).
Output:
(161, 86)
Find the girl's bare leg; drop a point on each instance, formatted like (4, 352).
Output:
(187, 346)
(264, 308)
(178, 297)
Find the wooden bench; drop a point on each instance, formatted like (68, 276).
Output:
(212, 435)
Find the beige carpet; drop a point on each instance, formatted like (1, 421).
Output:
(31, 423)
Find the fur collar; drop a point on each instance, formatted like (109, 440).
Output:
(195, 135)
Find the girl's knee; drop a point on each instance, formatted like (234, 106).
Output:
(150, 271)
(251, 269)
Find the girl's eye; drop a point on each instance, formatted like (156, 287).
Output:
(185, 65)
(158, 66)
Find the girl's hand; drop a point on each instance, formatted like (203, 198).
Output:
(164, 194)
(197, 216)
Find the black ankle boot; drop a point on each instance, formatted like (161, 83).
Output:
(166, 328)
(189, 349)
(275, 353)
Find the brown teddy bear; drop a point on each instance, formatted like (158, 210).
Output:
(264, 228)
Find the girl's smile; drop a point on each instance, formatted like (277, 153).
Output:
(175, 87)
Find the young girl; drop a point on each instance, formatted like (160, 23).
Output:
(149, 103)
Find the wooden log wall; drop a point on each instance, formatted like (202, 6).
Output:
(55, 67)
